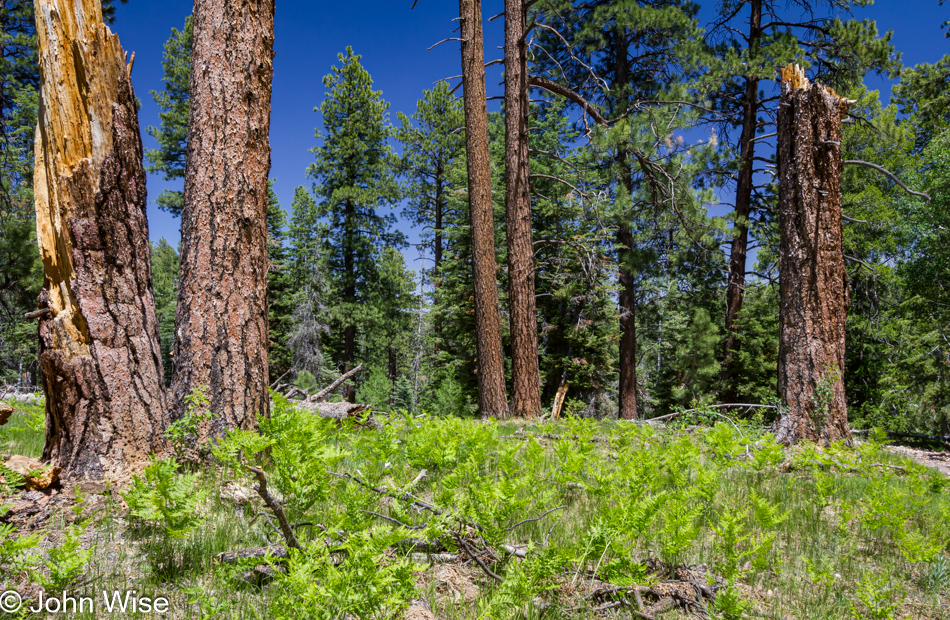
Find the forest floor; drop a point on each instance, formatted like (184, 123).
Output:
(422, 518)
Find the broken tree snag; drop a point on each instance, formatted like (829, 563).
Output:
(221, 320)
(99, 345)
(813, 281)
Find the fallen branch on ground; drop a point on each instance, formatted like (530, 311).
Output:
(322, 393)
(413, 501)
(535, 519)
(286, 530)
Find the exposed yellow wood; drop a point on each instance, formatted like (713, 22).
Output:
(559, 400)
(794, 78)
(81, 60)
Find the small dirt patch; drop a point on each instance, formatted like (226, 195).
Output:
(936, 460)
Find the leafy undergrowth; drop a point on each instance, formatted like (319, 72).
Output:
(575, 519)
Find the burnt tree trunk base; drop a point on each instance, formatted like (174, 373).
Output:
(813, 286)
(99, 345)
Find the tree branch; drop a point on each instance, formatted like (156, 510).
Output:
(567, 93)
(888, 174)
(334, 385)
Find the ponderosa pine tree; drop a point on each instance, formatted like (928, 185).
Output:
(612, 58)
(752, 39)
(522, 308)
(354, 179)
(21, 272)
(165, 284)
(492, 397)
(173, 102)
(578, 330)
(433, 141)
(280, 293)
(305, 236)
(221, 320)
(309, 321)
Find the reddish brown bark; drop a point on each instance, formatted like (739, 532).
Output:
(99, 344)
(525, 375)
(735, 290)
(813, 281)
(628, 326)
(492, 399)
(627, 299)
(221, 323)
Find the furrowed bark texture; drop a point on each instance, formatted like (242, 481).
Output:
(813, 285)
(735, 290)
(221, 322)
(99, 345)
(526, 378)
(492, 399)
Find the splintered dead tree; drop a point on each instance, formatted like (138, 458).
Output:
(99, 344)
(813, 281)
(525, 375)
(221, 321)
(492, 400)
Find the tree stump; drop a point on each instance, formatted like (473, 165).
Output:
(813, 281)
(99, 345)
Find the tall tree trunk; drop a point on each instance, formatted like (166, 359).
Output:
(735, 290)
(525, 375)
(99, 345)
(437, 280)
(221, 322)
(628, 326)
(492, 399)
(627, 396)
(349, 296)
(813, 281)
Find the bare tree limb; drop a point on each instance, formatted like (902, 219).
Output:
(888, 174)
(285, 529)
(538, 518)
(435, 45)
(567, 93)
(322, 393)
(477, 559)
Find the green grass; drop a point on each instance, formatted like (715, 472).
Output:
(24, 433)
(830, 534)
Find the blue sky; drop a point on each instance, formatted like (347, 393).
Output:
(393, 40)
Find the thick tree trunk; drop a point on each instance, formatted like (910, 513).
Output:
(492, 399)
(99, 344)
(813, 281)
(735, 290)
(221, 321)
(525, 375)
